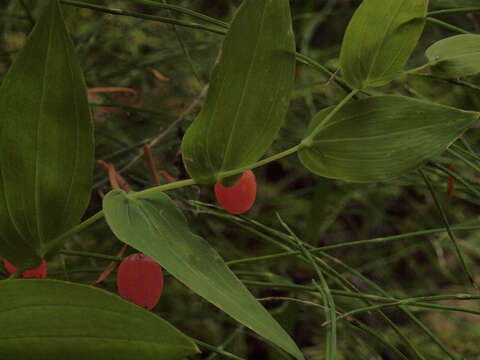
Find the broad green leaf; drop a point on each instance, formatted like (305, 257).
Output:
(249, 92)
(46, 142)
(379, 40)
(49, 319)
(380, 138)
(455, 56)
(155, 226)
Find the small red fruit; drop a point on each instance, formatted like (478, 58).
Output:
(140, 280)
(240, 197)
(39, 272)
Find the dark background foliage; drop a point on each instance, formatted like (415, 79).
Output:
(131, 52)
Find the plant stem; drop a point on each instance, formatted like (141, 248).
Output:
(162, 188)
(181, 43)
(328, 302)
(221, 28)
(184, 11)
(417, 69)
(17, 273)
(464, 152)
(447, 25)
(409, 302)
(91, 255)
(28, 13)
(56, 243)
(351, 244)
(162, 19)
(457, 177)
(308, 61)
(217, 350)
(449, 230)
(466, 161)
(265, 161)
(372, 297)
(308, 141)
(454, 11)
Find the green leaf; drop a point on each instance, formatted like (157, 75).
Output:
(46, 142)
(379, 40)
(455, 56)
(249, 92)
(155, 226)
(49, 319)
(380, 138)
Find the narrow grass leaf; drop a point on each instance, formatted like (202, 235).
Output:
(450, 233)
(329, 304)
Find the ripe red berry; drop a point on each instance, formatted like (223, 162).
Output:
(39, 272)
(240, 197)
(140, 280)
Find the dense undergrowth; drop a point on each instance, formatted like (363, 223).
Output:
(165, 70)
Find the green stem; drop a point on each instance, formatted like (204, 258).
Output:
(308, 141)
(466, 144)
(90, 255)
(447, 25)
(227, 342)
(466, 161)
(184, 11)
(308, 61)
(332, 273)
(381, 338)
(454, 11)
(457, 177)
(162, 188)
(162, 19)
(417, 69)
(221, 27)
(465, 152)
(449, 230)
(353, 288)
(28, 13)
(17, 273)
(217, 350)
(182, 45)
(328, 303)
(408, 302)
(405, 310)
(410, 235)
(265, 161)
(372, 297)
(56, 243)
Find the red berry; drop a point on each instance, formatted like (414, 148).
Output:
(140, 280)
(39, 272)
(240, 197)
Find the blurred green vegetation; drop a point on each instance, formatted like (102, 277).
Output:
(131, 52)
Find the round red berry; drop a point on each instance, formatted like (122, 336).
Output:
(240, 197)
(140, 280)
(39, 272)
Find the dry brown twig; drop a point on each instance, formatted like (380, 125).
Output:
(116, 182)
(158, 138)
